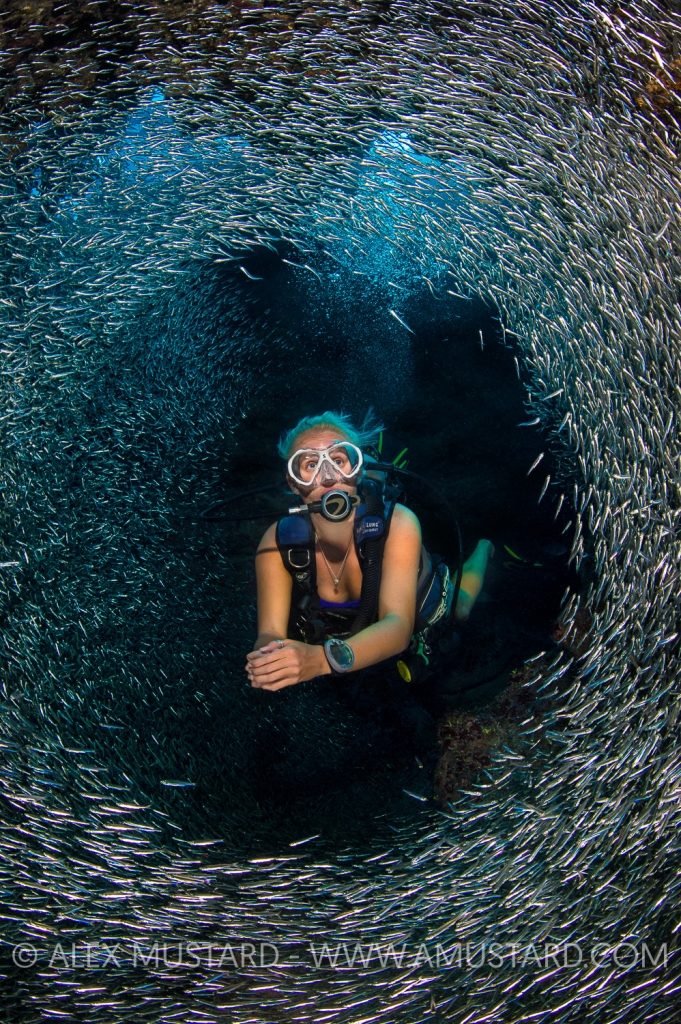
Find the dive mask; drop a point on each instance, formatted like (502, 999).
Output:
(314, 467)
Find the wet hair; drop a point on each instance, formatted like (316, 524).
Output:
(339, 422)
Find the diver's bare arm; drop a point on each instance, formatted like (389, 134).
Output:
(269, 665)
(265, 638)
(397, 598)
(276, 667)
(274, 591)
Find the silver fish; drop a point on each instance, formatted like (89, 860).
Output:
(525, 163)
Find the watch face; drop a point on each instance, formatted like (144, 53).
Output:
(341, 653)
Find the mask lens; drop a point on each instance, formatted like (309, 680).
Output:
(345, 459)
(305, 465)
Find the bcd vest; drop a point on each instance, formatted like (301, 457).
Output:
(314, 624)
(296, 543)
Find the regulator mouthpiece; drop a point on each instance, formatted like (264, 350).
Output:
(336, 506)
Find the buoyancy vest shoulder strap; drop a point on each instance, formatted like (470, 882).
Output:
(372, 523)
(374, 514)
(296, 541)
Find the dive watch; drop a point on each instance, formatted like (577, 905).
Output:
(339, 655)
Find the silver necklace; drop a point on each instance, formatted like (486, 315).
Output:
(336, 579)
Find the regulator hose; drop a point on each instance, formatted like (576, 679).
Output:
(212, 513)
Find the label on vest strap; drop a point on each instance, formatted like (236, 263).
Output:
(371, 526)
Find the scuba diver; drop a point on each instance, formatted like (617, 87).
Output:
(344, 582)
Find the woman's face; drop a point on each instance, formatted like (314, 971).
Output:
(321, 440)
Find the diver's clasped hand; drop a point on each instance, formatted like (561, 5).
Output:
(285, 662)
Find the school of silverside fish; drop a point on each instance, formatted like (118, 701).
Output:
(513, 152)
